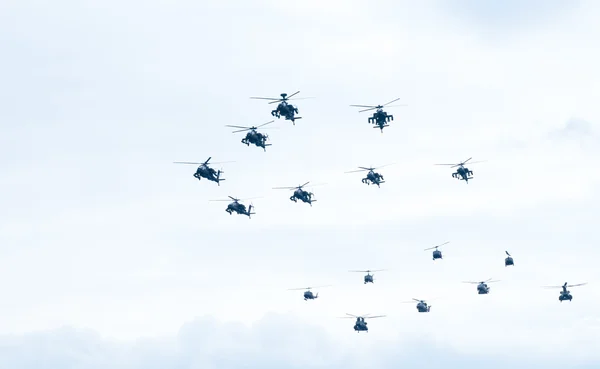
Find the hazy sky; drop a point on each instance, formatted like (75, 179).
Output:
(113, 257)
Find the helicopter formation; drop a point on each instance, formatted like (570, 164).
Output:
(380, 119)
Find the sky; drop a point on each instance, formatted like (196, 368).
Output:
(113, 256)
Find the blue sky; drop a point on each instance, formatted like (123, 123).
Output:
(112, 256)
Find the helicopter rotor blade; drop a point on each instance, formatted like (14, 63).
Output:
(376, 107)
(354, 171)
(577, 285)
(391, 101)
(294, 94)
(364, 106)
(507, 253)
(284, 188)
(304, 184)
(472, 282)
(364, 168)
(186, 162)
(238, 127)
(373, 317)
(447, 164)
(352, 316)
(242, 130)
(435, 247)
(266, 98)
(383, 166)
(264, 124)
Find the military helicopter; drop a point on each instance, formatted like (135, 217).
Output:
(369, 278)
(360, 324)
(204, 171)
(565, 294)
(437, 254)
(284, 108)
(509, 260)
(462, 173)
(482, 287)
(308, 295)
(372, 177)
(380, 118)
(299, 194)
(237, 207)
(254, 137)
(422, 306)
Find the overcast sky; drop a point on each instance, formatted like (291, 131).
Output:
(113, 257)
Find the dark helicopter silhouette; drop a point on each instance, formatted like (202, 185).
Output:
(308, 295)
(369, 278)
(299, 193)
(204, 171)
(372, 176)
(565, 294)
(482, 287)
(254, 137)
(462, 173)
(380, 118)
(361, 325)
(237, 207)
(422, 306)
(437, 254)
(284, 108)
(509, 260)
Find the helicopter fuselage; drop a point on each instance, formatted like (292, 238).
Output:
(373, 178)
(369, 279)
(302, 195)
(308, 295)
(287, 110)
(483, 289)
(509, 261)
(236, 207)
(360, 325)
(422, 307)
(463, 173)
(565, 296)
(204, 171)
(437, 254)
(256, 138)
(380, 119)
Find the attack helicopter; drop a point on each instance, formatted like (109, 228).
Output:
(237, 207)
(369, 278)
(437, 254)
(372, 176)
(284, 108)
(509, 260)
(482, 287)
(380, 118)
(422, 306)
(360, 325)
(254, 137)
(462, 173)
(204, 171)
(299, 194)
(308, 295)
(565, 294)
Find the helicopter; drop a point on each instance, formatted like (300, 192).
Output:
(372, 176)
(369, 278)
(237, 207)
(462, 173)
(509, 260)
(565, 294)
(422, 306)
(360, 324)
(299, 194)
(204, 171)
(437, 254)
(254, 137)
(308, 295)
(380, 118)
(287, 110)
(482, 287)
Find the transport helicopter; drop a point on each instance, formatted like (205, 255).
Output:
(437, 254)
(283, 108)
(369, 278)
(380, 118)
(482, 287)
(308, 295)
(299, 194)
(253, 136)
(565, 294)
(361, 325)
(462, 173)
(509, 260)
(372, 176)
(237, 207)
(204, 171)
(422, 306)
